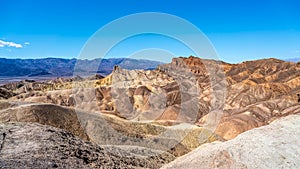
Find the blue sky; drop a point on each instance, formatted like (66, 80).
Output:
(239, 30)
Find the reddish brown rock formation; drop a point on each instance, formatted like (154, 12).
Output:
(246, 95)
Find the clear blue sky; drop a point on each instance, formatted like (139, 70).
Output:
(239, 30)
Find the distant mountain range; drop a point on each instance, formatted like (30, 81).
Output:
(57, 67)
(293, 60)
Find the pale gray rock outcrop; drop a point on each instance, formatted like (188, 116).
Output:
(273, 146)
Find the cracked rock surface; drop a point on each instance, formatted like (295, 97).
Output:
(32, 145)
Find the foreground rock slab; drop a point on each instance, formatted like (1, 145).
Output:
(32, 145)
(273, 146)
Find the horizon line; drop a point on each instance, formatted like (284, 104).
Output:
(296, 59)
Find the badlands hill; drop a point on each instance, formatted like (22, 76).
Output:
(165, 113)
(244, 96)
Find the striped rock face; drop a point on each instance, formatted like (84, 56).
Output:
(187, 90)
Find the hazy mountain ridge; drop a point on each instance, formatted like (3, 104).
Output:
(58, 67)
(293, 60)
